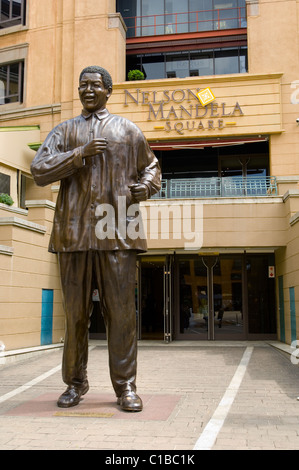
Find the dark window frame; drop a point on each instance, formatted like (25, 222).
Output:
(8, 16)
(136, 18)
(241, 51)
(9, 97)
(5, 183)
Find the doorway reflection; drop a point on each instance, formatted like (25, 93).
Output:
(228, 297)
(219, 299)
(151, 298)
(193, 297)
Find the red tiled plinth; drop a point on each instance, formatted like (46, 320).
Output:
(155, 407)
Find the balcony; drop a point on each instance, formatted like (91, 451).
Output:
(187, 22)
(217, 187)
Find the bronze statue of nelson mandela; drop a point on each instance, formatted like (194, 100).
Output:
(100, 159)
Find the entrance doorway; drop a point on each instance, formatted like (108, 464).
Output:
(151, 298)
(211, 297)
(201, 297)
(155, 297)
(226, 297)
(206, 297)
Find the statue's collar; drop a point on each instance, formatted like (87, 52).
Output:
(99, 114)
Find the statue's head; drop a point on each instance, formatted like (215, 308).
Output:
(95, 88)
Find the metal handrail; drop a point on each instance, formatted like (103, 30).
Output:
(169, 23)
(186, 188)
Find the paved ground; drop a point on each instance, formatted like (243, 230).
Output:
(196, 396)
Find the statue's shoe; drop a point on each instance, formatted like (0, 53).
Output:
(72, 395)
(129, 401)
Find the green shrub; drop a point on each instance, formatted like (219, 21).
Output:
(135, 75)
(6, 199)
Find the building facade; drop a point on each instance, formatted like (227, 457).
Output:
(218, 101)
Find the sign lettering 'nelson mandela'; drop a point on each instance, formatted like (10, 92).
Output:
(182, 110)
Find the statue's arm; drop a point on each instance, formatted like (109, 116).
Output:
(149, 169)
(52, 163)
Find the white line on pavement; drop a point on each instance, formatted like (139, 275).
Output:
(212, 429)
(35, 381)
(24, 387)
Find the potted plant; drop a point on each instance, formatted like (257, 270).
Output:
(6, 199)
(135, 75)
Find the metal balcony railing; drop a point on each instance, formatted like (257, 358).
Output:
(187, 22)
(217, 187)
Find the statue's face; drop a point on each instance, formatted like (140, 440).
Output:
(92, 92)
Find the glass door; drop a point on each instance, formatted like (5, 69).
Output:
(150, 297)
(228, 297)
(168, 298)
(261, 295)
(193, 298)
(210, 262)
(211, 297)
(155, 298)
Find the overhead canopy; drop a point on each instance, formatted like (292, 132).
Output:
(201, 144)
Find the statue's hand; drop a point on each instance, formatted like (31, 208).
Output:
(139, 191)
(94, 147)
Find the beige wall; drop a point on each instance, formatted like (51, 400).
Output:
(14, 149)
(287, 262)
(273, 47)
(24, 272)
(220, 223)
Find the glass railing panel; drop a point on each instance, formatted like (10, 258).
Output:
(217, 187)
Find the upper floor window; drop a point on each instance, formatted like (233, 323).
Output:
(160, 17)
(181, 64)
(4, 183)
(11, 82)
(12, 13)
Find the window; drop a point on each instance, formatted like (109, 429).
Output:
(190, 63)
(201, 15)
(12, 13)
(247, 160)
(153, 65)
(4, 183)
(11, 82)
(201, 63)
(24, 185)
(152, 20)
(177, 65)
(159, 17)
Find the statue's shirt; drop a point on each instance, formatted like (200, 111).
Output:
(88, 186)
